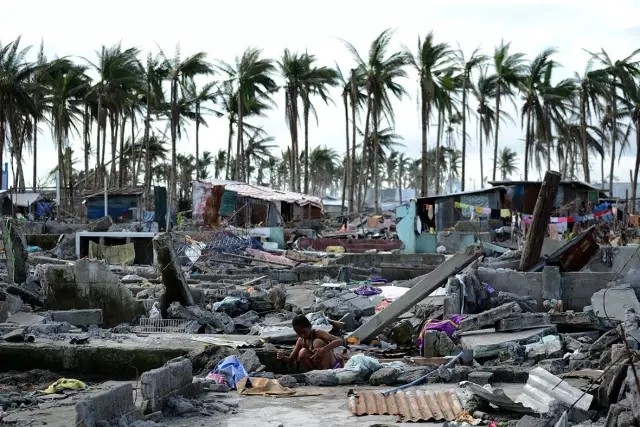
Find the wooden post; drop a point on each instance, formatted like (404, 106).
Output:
(540, 220)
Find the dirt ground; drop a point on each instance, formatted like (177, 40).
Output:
(326, 407)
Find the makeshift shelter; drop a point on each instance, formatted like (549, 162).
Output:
(243, 205)
(123, 204)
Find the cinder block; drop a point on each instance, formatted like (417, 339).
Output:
(77, 317)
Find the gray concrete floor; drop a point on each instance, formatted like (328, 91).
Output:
(329, 408)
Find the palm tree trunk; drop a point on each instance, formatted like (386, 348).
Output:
(173, 184)
(481, 155)
(352, 159)
(2, 148)
(115, 119)
(121, 163)
(583, 137)
(637, 165)
(602, 170)
(376, 148)
(438, 143)
(134, 158)
(85, 140)
(464, 129)
(614, 128)
(364, 163)
(526, 145)
(239, 144)
(147, 154)
(103, 167)
(197, 140)
(305, 112)
(346, 176)
(424, 110)
(35, 154)
(99, 127)
(495, 145)
(229, 148)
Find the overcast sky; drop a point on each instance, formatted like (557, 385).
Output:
(70, 27)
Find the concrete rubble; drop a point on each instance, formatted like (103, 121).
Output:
(153, 335)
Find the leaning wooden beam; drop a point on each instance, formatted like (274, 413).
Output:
(540, 220)
(422, 289)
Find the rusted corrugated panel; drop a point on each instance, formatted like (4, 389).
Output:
(412, 406)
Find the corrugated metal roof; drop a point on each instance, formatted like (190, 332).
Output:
(135, 191)
(266, 193)
(497, 397)
(543, 387)
(412, 406)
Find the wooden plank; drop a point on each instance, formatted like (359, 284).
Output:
(422, 289)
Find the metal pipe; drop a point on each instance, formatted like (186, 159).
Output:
(424, 377)
(106, 198)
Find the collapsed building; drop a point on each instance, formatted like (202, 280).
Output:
(122, 326)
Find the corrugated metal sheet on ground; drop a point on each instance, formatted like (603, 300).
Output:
(412, 406)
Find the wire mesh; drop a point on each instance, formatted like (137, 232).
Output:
(161, 326)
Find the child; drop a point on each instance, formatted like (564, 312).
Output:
(314, 348)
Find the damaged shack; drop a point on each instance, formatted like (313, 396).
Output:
(243, 205)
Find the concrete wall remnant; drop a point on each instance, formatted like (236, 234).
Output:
(106, 406)
(77, 317)
(88, 284)
(158, 385)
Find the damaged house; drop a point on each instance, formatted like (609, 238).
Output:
(243, 205)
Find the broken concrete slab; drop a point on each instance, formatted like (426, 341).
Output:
(25, 319)
(16, 335)
(88, 284)
(9, 305)
(159, 385)
(523, 321)
(427, 284)
(481, 377)
(489, 343)
(549, 346)
(486, 318)
(173, 278)
(77, 317)
(106, 406)
(612, 303)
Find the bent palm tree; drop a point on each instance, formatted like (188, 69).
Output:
(508, 71)
(380, 74)
(431, 60)
(507, 162)
(253, 85)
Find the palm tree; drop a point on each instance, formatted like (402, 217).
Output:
(631, 90)
(253, 85)
(219, 163)
(591, 88)
(316, 82)
(155, 73)
(67, 85)
(380, 74)
(484, 90)
(431, 60)
(38, 88)
(181, 71)
(16, 101)
(119, 76)
(507, 162)
(475, 60)
(323, 166)
(197, 98)
(617, 74)
(258, 149)
(508, 70)
(530, 83)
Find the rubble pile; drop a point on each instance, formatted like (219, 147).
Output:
(213, 312)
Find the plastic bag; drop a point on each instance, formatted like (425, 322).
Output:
(231, 369)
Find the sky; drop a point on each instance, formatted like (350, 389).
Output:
(79, 28)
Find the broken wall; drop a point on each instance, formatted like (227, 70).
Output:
(88, 284)
(575, 288)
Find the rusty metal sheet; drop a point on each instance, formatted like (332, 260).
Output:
(350, 245)
(410, 406)
(574, 255)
